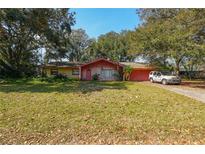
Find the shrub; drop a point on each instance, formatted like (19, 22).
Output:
(95, 77)
(56, 78)
(117, 76)
(60, 76)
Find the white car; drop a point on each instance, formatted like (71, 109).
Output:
(164, 77)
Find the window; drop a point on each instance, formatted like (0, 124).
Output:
(158, 74)
(54, 71)
(155, 73)
(107, 74)
(75, 72)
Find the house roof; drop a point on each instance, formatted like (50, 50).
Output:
(101, 59)
(198, 68)
(135, 65)
(62, 64)
(202, 68)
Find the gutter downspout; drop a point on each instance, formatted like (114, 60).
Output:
(79, 72)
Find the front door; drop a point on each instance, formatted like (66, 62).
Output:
(88, 74)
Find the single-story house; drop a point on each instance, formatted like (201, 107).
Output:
(106, 70)
(196, 73)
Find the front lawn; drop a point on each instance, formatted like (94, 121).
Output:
(74, 112)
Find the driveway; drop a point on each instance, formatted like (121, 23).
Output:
(194, 93)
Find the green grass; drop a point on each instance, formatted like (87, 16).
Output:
(74, 112)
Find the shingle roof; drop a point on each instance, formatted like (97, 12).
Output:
(198, 68)
(64, 64)
(77, 64)
(101, 59)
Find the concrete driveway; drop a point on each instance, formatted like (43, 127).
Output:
(194, 93)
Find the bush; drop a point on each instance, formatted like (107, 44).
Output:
(95, 77)
(60, 76)
(117, 76)
(56, 78)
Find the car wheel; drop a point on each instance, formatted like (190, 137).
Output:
(152, 80)
(164, 82)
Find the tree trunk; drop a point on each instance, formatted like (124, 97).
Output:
(126, 76)
(177, 68)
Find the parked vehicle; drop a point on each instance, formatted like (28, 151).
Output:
(164, 77)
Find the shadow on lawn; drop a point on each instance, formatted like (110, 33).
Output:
(63, 87)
